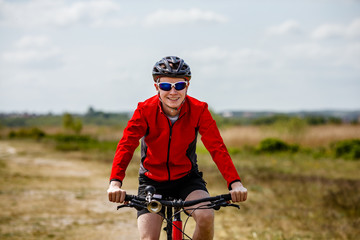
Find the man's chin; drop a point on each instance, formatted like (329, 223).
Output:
(173, 104)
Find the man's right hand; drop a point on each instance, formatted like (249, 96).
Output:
(115, 193)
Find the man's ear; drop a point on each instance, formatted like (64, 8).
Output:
(187, 85)
(156, 87)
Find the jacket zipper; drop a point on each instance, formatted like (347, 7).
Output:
(168, 153)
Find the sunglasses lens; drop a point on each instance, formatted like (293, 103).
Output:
(165, 86)
(180, 85)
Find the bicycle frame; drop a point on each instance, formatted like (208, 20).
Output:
(174, 224)
(177, 227)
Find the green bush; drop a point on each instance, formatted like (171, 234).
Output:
(348, 149)
(74, 142)
(73, 138)
(33, 133)
(315, 120)
(271, 145)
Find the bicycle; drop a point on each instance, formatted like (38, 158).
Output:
(173, 207)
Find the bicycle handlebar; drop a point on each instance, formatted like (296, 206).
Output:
(217, 201)
(154, 204)
(181, 203)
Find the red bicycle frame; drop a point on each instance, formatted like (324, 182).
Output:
(177, 227)
(174, 227)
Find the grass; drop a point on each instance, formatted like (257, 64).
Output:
(291, 199)
(311, 136)
(47, 194)
(50, 194)
(291, 196)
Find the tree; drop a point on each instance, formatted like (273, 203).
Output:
(70, 124)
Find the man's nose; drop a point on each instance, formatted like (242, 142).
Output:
(173, 90)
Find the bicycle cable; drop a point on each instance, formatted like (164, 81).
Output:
(169, 220)
(190, 214)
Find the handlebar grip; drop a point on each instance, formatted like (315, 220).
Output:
(227, 197)
(129, 197)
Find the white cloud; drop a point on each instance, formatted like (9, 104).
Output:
(350, 56)
(34, 50)
(220, 63)
(209, 54)
(305, 51)
(37, 13)
(170, 17)
(353, 29)
(287, 27)
(32, 41)
(31, 55)
(327, 31)
(316, 56)
(216, 55)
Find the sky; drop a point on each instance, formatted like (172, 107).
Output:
(66, 56)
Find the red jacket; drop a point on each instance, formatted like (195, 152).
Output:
(168, 150)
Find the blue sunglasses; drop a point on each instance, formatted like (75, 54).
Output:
(167, 86)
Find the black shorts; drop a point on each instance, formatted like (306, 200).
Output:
(177, 189)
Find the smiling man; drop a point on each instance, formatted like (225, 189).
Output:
(172, 93)
(168, 124)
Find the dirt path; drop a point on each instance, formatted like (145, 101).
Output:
(50, 195)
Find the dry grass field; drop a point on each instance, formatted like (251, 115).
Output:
(311, 136)
(49, 194)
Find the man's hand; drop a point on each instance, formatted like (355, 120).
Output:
(115, 193)
(238, 192)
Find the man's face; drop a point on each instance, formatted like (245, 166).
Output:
(172, 98)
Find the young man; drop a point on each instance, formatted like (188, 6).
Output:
(168, 124)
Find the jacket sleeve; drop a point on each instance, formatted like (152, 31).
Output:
(214, 143)
(135, 129)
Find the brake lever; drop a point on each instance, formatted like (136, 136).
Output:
(122, 206)
(222, 203)
(133, 205)
(233, 205)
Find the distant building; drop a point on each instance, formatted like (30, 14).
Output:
(227, 114)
